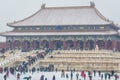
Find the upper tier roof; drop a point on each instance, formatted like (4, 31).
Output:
(51, 16)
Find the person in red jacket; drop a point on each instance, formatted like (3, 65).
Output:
(82, 73)
(84, 76)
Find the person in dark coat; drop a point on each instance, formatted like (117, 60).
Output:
(26, 78)
(67, 76)
(99, 72)
(42, 77)
(109, 76)
(45, 78)
(112, 73)
(105, 76)
(18, 76)
(5, 77)
(53, 77)
(30, 77)
(94, 73)
(71, 75)
(77, 76)
(38, 69)
(101, 76)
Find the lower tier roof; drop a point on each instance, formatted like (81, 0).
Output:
(58, 33)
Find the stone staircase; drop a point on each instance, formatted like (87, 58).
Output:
(12, 59)
(102, 60)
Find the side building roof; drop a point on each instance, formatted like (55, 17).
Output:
(77, 15)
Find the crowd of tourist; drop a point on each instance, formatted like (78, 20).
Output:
(71, 75)
(23, 69)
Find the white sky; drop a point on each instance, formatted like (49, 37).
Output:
(14, 10)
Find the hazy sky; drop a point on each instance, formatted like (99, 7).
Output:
(14, 10)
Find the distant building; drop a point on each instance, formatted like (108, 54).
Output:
(80, 27)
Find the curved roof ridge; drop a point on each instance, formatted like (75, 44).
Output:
(101, 16)
(10, 24)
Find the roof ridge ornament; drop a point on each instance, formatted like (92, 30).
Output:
(92, 4)
(43, 6)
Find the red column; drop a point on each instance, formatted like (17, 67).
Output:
(8, 45)
(118, 46)
(50, 44)
(106, 45)
(39, 44)
(31, 45)
(23, 45)
(20, 46)
(94, 44)
(12, 45)
(75, 44)
(85, 44)
(64, 44)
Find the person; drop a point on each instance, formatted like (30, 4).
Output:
(42, 77)
(109, 76)
(30, 77)
(45, 78)
(88, 73)
(18, 76)
(94, 73)
(71, 75)
(67, 76)
(101, 76)
(56, 69)
(116, 77)
(90, 76)
(5, 78)
(37, 69)
(26, 78)
(53, 77)
(1, 69)
(105, 75)
(77, 75)
(82, 73)
(112, 72)
(7, 73)
(74, 69)
(99, 72)
(62, 73)
(84, 76)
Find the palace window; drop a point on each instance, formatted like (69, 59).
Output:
(37, 28)
(91, 27)
(102, 27)
(71, 28)
(81, 27)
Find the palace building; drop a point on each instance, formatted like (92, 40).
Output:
(74, 27)
(77, 37)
